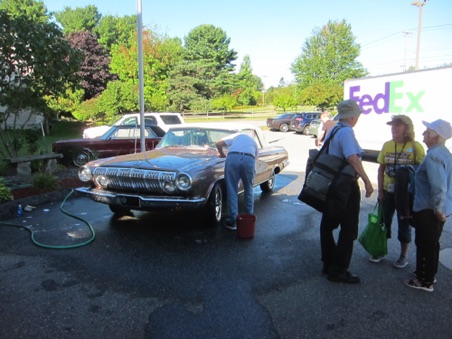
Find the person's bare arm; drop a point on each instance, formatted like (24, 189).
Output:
(355, 161)
(220, 144)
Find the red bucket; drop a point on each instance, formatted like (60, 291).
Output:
(246, 225)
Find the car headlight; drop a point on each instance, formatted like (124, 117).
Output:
(168, 187)
(183, 182)
(85, 174)
(102, 181)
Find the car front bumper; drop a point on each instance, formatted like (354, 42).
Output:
(141, 202)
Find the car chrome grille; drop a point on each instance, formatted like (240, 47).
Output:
(133, 179)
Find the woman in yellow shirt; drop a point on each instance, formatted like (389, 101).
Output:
(401, 150)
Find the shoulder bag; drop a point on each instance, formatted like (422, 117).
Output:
(328, 182)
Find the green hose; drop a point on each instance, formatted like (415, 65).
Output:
(58, 247)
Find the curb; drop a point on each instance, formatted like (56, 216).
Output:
(8, 210)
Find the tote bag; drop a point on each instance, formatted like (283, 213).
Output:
(374, 236)
(328, 182)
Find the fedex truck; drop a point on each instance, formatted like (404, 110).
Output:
(421, 95)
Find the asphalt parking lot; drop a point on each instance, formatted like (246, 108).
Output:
(152, 275)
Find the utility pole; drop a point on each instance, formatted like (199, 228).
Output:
(141, 75)
(405, 36)
(419, 28)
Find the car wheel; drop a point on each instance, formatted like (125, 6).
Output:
(118, 209)
(214, 206)
(269, 185)
(283, 127)
(82, 157)
(305, 130)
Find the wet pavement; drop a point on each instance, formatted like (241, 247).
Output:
(151, 275)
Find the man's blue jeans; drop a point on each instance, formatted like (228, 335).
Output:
(238, 167)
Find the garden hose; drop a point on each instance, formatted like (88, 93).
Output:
(58, 247)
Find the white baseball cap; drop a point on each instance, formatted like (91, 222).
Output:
(440, 126)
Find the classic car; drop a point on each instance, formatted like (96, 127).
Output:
(118, 140)
(184, 172)
(163, 120)
(281, 122)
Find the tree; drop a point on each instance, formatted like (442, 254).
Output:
(160, 55)
(207, 47)
(329, 56)
(35, 61)
(33, 10)
(78, 19)
(321, 94)
(249, 85)
(113, 30)
(285, 98)
(94, 70)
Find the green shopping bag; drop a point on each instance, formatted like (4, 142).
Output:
(374, 236)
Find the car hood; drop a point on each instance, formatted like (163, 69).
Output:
(166, 159)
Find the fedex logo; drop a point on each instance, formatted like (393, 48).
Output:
(393, 99)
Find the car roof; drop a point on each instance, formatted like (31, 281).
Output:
(149, 114)
(233, 126)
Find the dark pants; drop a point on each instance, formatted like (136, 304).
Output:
(337, 256)
(428, 230)
(389, 208)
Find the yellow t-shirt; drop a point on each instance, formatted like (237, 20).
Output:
(394, 154)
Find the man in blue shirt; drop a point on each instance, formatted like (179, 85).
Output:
(336, 257)
(432, 203)
(240, 165)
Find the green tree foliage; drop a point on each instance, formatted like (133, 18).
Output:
(94, 70)
(181, 86)
(328, 56)
(35, 61)
(33, 10)
(160, 54)
(285, 98)
(226, 102)
(119, 97)
(207, 47)
(78, 19)
(321, 94)
(249, 85)
(66, 102)
(87, 110)
(113, 30)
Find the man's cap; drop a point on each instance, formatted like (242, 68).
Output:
(400, 119)
(348, 109)
(440, 126)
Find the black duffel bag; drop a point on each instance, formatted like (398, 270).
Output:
(328, 182)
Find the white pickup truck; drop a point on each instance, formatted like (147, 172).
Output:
(163, 120)
(421, 95)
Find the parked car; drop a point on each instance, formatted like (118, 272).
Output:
(118, 140)
(315, 125)
(163, 120)
(184, 172)
(300, 122)
(281, 122)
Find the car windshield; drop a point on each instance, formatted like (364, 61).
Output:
(199, 137)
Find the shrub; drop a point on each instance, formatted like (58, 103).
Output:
(45, 181)
(5, 192)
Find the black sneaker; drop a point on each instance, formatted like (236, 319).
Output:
(229, 225)
(346, 277)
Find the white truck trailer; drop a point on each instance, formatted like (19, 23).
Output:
(421, 95)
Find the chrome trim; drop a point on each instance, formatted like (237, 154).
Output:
(109, 197)
(139, 180)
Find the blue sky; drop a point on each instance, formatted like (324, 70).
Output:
(273, 32)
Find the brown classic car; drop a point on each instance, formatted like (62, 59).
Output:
(118, 140)
(184, 172)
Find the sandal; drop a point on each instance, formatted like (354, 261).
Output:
(414, 283)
